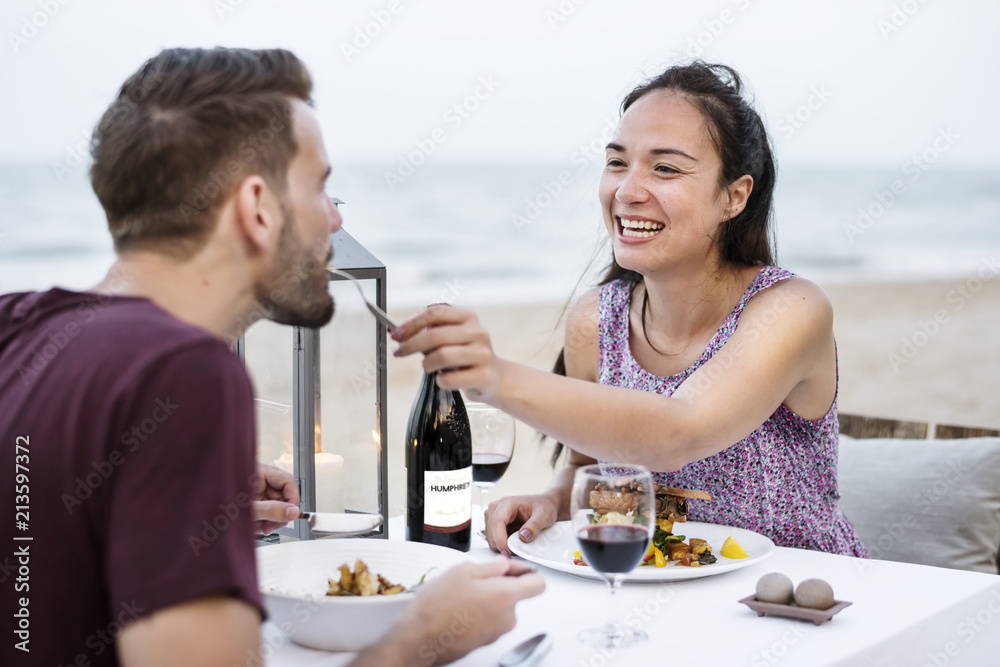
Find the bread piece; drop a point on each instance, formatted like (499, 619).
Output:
(682, 493)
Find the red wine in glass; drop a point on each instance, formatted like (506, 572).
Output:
(612, 508)
(489, 468)
(492, 446)
(613, 549)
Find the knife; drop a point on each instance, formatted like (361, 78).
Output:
(339, 523)
(528, 652)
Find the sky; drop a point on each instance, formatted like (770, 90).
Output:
(842, 82)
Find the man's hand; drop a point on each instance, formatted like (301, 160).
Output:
(469, 606)
(276, 499)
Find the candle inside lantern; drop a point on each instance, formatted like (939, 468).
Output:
(329, 479)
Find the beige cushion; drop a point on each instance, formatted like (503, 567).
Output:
(935, 502)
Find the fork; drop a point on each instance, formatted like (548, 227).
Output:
(375, 310)
(423, 580)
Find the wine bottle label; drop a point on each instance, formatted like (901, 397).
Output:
(447, 500)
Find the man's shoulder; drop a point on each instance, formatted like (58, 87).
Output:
(142, 333)
(91, 335)
(99, 314)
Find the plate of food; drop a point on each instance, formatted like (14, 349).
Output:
(680, 549)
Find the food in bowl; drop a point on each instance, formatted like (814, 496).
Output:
(361, 582)
(293, 579)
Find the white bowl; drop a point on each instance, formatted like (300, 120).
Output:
(293, 578)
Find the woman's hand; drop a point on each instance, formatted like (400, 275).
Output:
(529, 515)
(454, 343)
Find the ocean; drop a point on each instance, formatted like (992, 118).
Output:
(478, 234)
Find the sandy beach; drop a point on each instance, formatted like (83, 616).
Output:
(922, 351)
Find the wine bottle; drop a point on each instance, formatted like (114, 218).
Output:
(439, 468)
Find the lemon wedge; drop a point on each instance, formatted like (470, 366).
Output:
(732, 549)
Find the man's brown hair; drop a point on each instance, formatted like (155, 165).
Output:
(185, 129)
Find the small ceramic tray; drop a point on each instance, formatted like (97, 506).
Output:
(817, 616)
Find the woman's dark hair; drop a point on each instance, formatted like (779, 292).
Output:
(741, 141)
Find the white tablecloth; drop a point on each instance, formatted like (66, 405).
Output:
(902, 615)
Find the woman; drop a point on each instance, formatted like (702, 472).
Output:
(695, 357)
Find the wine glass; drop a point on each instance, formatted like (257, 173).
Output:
(492, 445)
(613, 510)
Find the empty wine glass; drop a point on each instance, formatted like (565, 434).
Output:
(492, 445)
(613, 510)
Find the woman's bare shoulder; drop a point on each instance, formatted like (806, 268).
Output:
(585, 307)
(582, 343)
(794, 297)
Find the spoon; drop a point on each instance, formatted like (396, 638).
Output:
(375, 310)
(528, 652)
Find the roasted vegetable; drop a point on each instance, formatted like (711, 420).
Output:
(361, 582)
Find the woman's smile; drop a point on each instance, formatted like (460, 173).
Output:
(662, 174)
(633, 229)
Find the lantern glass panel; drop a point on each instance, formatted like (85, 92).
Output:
(320, 396)
(268, 358)
(350, 430)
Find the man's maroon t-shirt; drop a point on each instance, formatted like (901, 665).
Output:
(126, 453)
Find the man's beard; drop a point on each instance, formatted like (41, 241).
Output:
(295, 291)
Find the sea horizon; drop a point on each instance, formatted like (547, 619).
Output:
(507, 233)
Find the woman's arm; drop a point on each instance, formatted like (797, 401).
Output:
(530, 514)
(782, 349)
(581, 354)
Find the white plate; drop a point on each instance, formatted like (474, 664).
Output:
(293, 578)
(554, 548)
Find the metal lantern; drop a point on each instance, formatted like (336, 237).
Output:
(325, 423)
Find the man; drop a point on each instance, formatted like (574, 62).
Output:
(127, 425)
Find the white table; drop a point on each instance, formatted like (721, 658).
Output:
(902, 615)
